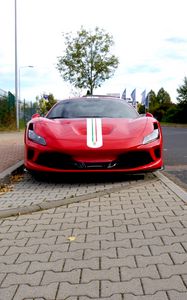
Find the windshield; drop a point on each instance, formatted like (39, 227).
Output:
(92, 108)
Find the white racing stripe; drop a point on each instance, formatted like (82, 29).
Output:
(94, 133)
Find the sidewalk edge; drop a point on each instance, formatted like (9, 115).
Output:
(5, 175)
(173, 186)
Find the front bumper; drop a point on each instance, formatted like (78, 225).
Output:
(134, 160)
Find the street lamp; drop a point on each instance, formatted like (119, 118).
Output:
(19, 97)
(16, 70)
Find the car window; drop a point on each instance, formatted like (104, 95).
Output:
(90, 108)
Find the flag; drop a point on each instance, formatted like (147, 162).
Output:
(45, 96)
(124, 95)
(147, 101)
(133, 97)
(143, 94)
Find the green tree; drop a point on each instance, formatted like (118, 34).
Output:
(153, 102)
(50, 101)
(182, 99)
(45, 103)
(87, 61)
(164, 98)
(182, 92)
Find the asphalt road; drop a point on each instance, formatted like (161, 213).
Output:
(175, 154)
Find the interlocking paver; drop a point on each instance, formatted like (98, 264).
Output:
(44, 248)
(77, 239)
(133, 228)
(172, 225)
(164, 232)
(129, 235)
(7, 293)
(57, 233)
(47, 292)
(56, 255)
(130, 273)
(156, 296)
(176, 247)
(14, 242)
(8, 259)
(15, 279)
(41, 241)
(14, 268)
(113, 297)
(107, 263)
(100, 237)
(90, 275)
(151, 286)
(72, 277)
(143, 250)
(8, 235)
(83, 289)
(143, 261)
(145, 242)
(115, 244)
(179, 258)
(130, 244)
(25, 249)
(25, 234)
(109, 288)
(174, 239)
(184, 278)
(71, 264)
(45, 266)
(152, 220)
(111, 253)
(174, 295)
(40, 257)
(172, 270)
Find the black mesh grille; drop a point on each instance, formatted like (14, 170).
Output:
(127, 160)
(134, 159)
(55, 160)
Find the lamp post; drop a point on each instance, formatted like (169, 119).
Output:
(16, 70)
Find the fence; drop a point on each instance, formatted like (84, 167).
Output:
(8, 111)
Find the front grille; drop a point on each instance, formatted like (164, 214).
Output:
(62, 161)
(134, 159)
(55, 160)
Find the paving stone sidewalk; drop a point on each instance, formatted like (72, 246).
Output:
(129, 243)
(11, 152)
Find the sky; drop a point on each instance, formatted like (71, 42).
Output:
(150, 39)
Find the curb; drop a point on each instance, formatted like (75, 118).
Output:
(172, 186)
(65, 201)
(54, 204)
(5, 175)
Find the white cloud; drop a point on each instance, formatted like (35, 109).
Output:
(150, 41)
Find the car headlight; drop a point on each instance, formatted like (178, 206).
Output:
(151, 137)
(36, 138)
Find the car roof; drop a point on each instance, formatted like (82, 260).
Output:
(103, 97)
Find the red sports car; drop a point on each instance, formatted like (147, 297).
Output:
(93, 134)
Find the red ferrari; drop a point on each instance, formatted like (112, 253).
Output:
(93, 134)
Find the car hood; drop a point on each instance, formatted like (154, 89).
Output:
(62, 129)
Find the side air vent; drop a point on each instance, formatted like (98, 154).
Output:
(155, 125)
(31, 126)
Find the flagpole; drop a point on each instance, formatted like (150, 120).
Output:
(147, 103)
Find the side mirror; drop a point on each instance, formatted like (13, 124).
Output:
(35, 115)
(148, 114)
